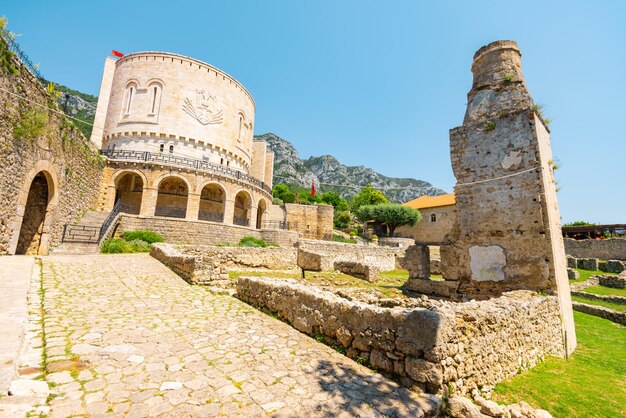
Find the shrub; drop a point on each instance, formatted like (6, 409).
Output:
(139, 246)
(146, 236)
(353, 233)
(391, 215)
(115, 246)
(277, 201)
(252, 242)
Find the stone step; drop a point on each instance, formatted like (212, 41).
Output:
(75, 248)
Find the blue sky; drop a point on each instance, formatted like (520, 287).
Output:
(374, 83)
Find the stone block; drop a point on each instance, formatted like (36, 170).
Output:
(356, 269)
(616, 282)
(587, 264)
(571, 262)
(572, 274)
(612, 266)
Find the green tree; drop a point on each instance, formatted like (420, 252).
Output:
(391, 215)
(579, 223)
(333, 198)
(368, 196)
(342, 219)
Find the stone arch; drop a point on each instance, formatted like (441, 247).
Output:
(172, 196)
(212, 202)
(261, 213)
(36, 202)
(129, 188)
(243, 206)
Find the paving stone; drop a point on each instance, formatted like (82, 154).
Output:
(154, 345)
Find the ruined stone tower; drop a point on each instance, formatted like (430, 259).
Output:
(507, 235)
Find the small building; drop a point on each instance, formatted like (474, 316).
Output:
(438, 215)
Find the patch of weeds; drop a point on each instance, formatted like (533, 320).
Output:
(490, 125)
(508, 78)
(363, 362)
(277, 380)
(33, 124)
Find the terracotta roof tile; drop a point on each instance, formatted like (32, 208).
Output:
(424, 202)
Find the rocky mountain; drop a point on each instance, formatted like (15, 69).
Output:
(330, 174)
(78, 105)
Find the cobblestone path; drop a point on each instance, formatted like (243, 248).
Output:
(125, 336)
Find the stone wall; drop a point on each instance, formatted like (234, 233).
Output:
(616, 282)
(64, 160)
(507, 233)
(396, 242)
(207, 264)
(601, 311)
(431, 230)
(605, 249)
(181, 231)
(324, 254)
(310, 221)
(460, 345)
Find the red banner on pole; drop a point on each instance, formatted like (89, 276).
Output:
(116, 53)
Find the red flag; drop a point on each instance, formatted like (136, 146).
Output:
(312, 188)
(116, 53)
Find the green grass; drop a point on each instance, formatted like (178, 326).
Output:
(339, 238)
(121, 246)
(585, 274)
(590, 384)
(611, 305)
(606, 291)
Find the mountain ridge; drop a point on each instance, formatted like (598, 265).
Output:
(330, 174)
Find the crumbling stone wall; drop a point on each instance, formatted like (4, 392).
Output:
(507, 232)
(181, 231)
(71, 166)
(321, 255)
(460, 345)
(605, 249)
(207, 264)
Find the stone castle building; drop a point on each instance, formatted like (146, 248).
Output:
(438, 217)
(178, 137)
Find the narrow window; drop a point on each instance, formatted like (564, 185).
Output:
(222, 161)
(154, 98)
(131, 92)
(433, 218)
(227, 163)
(171, 149)
(240, 126)
(161, 147)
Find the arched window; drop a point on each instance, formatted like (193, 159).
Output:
(240, 126)
(222, 161)
(155, 90)
(171, 149)
(131, 89)
(161, 147)
(433, 217)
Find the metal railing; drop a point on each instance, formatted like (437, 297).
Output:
(165, 158)
(171, 212)
(15, 48)
(205, 215)
(241, 221)
(80, 233)
(95, 235)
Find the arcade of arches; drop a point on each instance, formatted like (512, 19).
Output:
(175, 195)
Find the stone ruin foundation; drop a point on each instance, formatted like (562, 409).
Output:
(507, 303)
(507, 233)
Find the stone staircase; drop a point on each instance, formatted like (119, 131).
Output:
(92, 220)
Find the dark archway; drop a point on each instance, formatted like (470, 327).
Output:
(260, 214)
(212, 203)
(129, 190)
(34, 215)
(172, 198)
(243, 203)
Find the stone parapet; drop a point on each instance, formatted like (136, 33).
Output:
(457, 345)
(202, 232)
(207, 264)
